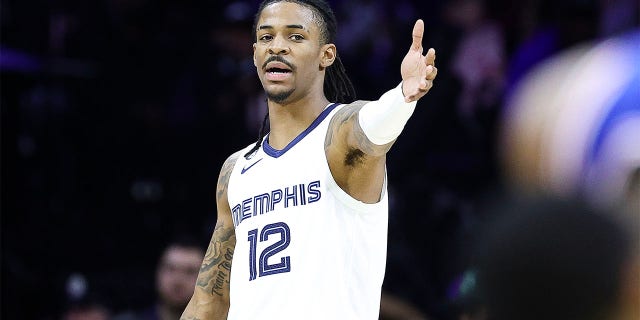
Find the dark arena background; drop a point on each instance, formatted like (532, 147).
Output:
(118, 114)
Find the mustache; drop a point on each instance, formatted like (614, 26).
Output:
(278, 59)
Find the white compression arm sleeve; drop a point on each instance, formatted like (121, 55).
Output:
(383, 120)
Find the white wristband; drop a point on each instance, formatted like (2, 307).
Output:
(383, 120)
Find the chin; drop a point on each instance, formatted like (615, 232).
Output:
(279, 96)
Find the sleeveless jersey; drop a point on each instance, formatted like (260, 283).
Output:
(305, 249)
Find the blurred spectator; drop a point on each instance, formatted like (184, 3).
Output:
(176, 275)
(557, 259)
(479, 59)
(568, 133)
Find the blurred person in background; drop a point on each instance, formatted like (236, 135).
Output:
(479, 59)
(567, 131)
(570, 131)
(176, 275)
(550, 258)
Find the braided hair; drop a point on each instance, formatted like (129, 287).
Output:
(337, 85)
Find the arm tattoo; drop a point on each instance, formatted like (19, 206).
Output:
(359, 145)
(225, 173)
(216, 267)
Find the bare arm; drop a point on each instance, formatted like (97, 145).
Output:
(357, 164)
(361, 133)
(210, 298)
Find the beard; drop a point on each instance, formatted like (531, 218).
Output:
(279, 97)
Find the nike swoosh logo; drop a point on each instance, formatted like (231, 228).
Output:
(245, 169)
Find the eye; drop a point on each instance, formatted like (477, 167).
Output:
(296, 37)
(265, 37)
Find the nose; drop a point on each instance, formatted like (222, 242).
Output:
(278, 46)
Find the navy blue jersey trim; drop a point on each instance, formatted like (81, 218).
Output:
(277, 153)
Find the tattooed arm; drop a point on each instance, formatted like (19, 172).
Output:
(361, 133)
(210, 298)
(357, 164)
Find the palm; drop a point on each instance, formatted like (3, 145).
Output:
(417, 71)
(413, 65)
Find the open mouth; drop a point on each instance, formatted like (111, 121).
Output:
(278, 70)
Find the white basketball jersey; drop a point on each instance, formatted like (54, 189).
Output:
(305, 249)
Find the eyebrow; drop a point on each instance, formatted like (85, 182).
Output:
(289, 26)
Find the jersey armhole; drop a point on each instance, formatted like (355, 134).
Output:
(352, 202)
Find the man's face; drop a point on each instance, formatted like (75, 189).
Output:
(177, 274)
(287, 53)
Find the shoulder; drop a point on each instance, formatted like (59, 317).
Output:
(225, 173)
(354, 106)
(230, 162)
(347, 111)
(358, 103)
(233, 158)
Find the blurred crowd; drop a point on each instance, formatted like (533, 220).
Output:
(118, 114)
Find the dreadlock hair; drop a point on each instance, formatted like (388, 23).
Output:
(337, 85)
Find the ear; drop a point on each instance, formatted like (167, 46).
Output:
(254, 55)
(328, 54)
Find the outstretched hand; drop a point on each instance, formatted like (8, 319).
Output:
(418, 71)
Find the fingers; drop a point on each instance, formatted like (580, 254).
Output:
(424, 84)
(424, 87)
(431, 73)
(431, 57)
(416, 88)
(418, 31)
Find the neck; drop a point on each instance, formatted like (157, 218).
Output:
(288, 119)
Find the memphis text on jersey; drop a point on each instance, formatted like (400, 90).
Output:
(293, 196)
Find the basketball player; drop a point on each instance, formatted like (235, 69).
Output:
(303, 212)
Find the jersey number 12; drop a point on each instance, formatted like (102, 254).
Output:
(261, 267)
